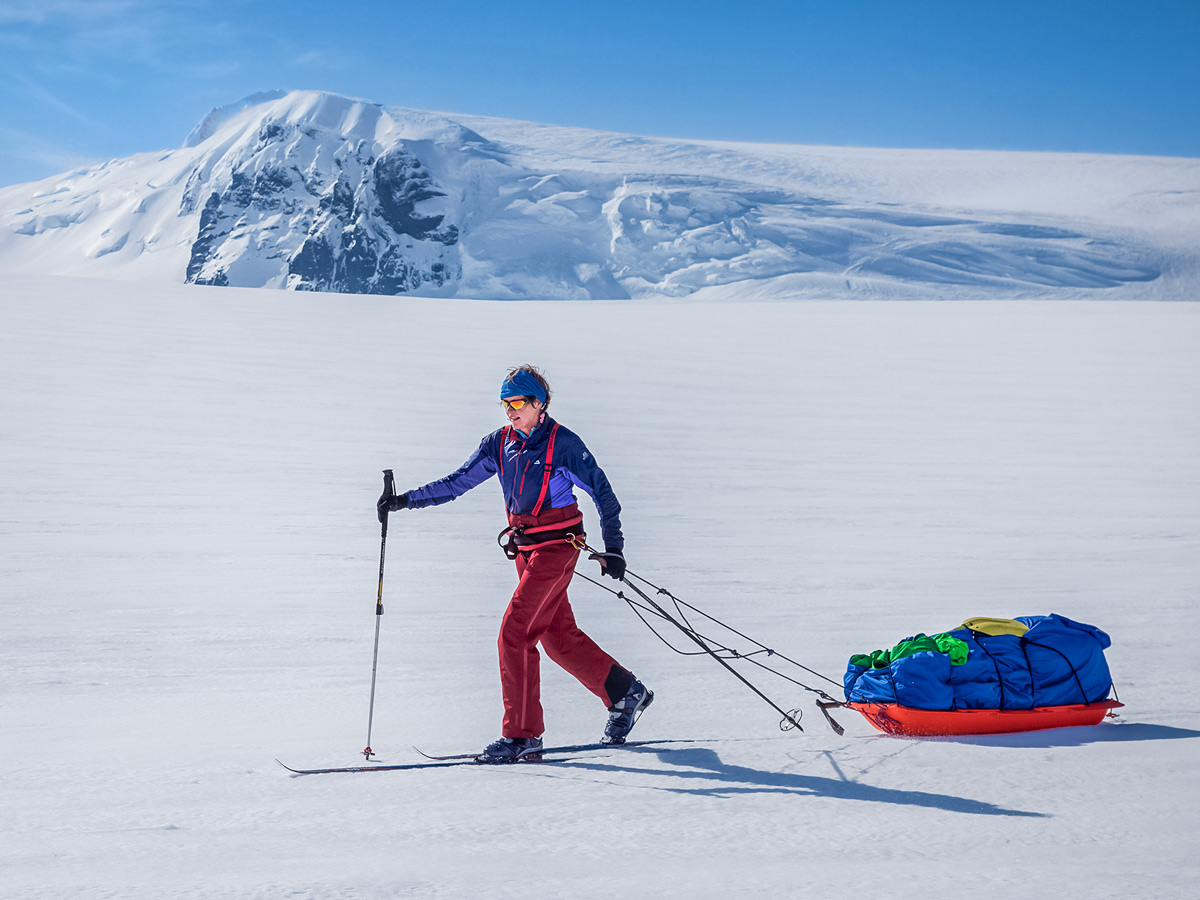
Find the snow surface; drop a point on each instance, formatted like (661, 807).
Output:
(316, 191)
(188, 570)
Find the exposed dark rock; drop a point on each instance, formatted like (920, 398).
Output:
(339, 202)
(356, 219)
(401, 182)
(206, 240)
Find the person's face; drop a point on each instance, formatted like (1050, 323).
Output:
(526, 418)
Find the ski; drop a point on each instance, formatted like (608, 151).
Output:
(566, 748)
(439, 764)
(472, 759)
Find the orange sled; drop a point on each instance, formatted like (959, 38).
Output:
(892, 718)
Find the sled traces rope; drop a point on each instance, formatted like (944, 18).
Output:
(647, 608)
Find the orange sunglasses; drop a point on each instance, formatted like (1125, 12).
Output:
(517, 403)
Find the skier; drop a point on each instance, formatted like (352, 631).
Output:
(538, 462)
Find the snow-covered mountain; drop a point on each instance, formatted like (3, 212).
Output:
(314, 191)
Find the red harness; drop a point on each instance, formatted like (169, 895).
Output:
(524, 532)
(546, 469)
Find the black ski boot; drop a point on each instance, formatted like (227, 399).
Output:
(625, 712)
(512, 750)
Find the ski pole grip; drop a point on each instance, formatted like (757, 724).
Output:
(389, 483)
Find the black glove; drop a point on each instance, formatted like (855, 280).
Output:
(390, 503)
(612, 563)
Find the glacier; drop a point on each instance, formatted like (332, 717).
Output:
(315, 191)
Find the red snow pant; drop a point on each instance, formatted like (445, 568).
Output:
(540, 612)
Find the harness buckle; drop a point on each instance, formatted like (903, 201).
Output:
(510, 546)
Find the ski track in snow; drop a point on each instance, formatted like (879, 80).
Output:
(188, 567)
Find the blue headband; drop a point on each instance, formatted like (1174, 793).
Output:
(522, 384)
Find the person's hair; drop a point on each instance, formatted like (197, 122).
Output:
(537, 375)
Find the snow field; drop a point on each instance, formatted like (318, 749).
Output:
(188, 578)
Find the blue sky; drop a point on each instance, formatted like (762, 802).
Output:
(87, 80)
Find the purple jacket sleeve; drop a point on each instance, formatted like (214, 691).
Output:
(478, 468)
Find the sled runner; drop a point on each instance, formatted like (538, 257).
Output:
(892, 718)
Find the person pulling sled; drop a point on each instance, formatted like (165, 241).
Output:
(539, 462)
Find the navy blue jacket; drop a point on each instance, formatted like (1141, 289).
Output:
(523, 470)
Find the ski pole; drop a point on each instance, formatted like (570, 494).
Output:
(389, 490)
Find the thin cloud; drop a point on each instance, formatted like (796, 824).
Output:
(63, 13)
(43, 96)
(154, 32)
(316, 58)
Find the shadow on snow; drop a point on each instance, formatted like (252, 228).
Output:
(1073, 737)
(712, 776)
